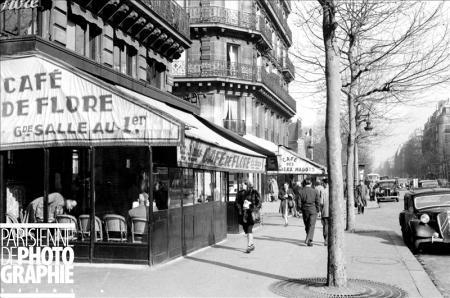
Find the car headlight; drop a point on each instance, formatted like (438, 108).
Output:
(424, 218)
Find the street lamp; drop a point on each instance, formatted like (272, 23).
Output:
(369, 126)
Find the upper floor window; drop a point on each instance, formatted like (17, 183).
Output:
(232, 59)
(18, 22)
(125, 58)
(231, 108)
(83, 37)
(155, 73)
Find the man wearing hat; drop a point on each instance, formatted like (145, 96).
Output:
(309, 204)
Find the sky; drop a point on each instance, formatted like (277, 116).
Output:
(413, 116)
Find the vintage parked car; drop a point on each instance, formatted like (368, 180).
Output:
(386, 190)
(426, 217)
(428, 184)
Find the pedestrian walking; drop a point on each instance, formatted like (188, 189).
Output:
(324, 209)
(273, 190)
(249, 205)
(297, 187)
(309, 204)
(286, 196)
(362, 196)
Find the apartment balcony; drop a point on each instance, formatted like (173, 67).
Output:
(273, 81)
(238, 126)
(240, 73)
(217, 16)
(171, 12)
(282, 20)
(288, 69)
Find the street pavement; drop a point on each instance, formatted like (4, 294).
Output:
(374, 252)
(435, 260)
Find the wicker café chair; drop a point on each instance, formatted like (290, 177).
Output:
(65, 218)
(11, 219)
(84, 227)
(115, 227)
(138, 230)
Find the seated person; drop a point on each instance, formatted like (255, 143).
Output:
(56, 205)
(12, 205)
(141, 210)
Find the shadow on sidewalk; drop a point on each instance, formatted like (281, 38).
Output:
(228, 247)
(247, 270)
(280, 239)
(382, 234)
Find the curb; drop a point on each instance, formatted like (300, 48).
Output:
(421, 279)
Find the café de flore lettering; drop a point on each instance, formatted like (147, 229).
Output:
(43, 103)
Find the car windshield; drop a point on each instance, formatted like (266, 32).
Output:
(429, 184)
(432, 201)
(387, 184)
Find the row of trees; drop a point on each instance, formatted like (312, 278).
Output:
(414, 159)
(369, 55)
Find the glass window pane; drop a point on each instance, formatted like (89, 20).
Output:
(80, 34)
(28, 23)
(160, 190)
(121, 205)
(188, 187)
(223, 192)
(70, 35)
(11, 21)
(209, 187)
(24, 193)
(199, 187)
(175, 187)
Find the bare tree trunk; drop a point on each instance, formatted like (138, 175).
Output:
(356, 164)
(350, 164)
(336, 271)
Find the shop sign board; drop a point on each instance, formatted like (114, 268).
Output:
(198, 154)
(18, 4)
(44, 104)
(289, 163)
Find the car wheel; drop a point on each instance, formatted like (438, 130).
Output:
(405, 236)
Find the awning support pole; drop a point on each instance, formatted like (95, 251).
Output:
(2, 190)
(150, 209)
(46, 182)
(92, 232)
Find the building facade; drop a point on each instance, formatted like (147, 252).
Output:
(239, 68)
(87, 116)
(436, 141)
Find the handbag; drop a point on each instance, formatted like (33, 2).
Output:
(290, 203)
(256, 215)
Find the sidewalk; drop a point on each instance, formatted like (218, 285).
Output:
(225, 270)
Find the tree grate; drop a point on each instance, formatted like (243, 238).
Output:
(316, 288)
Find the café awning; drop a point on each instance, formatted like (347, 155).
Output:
(203, 147)
(288, 161)
(45, 103)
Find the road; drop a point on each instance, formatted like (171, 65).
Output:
(436, 260)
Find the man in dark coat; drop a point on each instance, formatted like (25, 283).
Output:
(309, 204)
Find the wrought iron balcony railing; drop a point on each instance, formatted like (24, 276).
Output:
(173, 13)
(289, 66)
(283, 20)
(273, 81)
(238, 126)
(246, 72)
(230, 17)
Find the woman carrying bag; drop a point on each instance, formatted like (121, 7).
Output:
(249, 205)
(286, 196)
